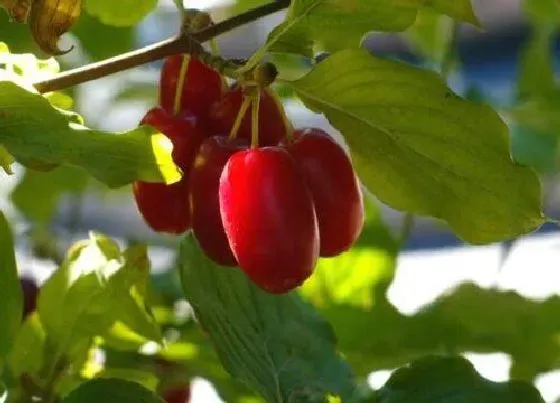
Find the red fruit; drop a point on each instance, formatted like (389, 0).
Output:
(268, 216)
(202, 85)
(177, 394)
(166, 207)
(205, 205)
(272, 127)
(336, 192)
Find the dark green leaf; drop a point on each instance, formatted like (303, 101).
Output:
(120, 13)
(539, 114)
(451, 379)
(278, 345)
(11, 300)
(112, 391)
(535, 149)
(543, 11)
(420, 148)
(30, 128)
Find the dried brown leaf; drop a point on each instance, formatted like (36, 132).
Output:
(50, 19)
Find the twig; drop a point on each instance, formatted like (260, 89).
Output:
(179, 44)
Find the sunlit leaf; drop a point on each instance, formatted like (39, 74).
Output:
(420, 148)
(31, 128)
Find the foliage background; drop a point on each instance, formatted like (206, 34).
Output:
(385, 307)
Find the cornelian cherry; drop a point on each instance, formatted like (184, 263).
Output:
(268, 216)
(272, 127)
(201, 85)
(336, 192)
(165, 208)
(205, 206)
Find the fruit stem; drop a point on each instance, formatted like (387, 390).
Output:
(240, 115)
(255, 119)
(287, 123)
(185, 60)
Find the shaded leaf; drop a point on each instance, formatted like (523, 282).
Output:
(451, 379)
(120, 13)
(431, 35)
(539, 114)
(278, 345)
(50, 19)
(51, 186)
(28, 354)
(535, 149)
(11, 302)
(31, 128)
(536, 65)
(420, 148)
(460, 10)
(6, 160)
(542, 11)
(112, 391)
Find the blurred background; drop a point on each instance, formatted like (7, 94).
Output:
(497, 304)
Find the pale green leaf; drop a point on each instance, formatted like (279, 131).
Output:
(278, 345)
(460, 10)
(11, 300)
(120, 13)
(431, 35)
(30, 128)
(420, 148)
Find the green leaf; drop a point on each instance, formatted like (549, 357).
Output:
(112, 391)
(460, 10)
(451, 379)
(420, 148)
(542, 11)
(278, 345)
(28, 354)
(11, 302)
(358, 276)
(535, 149)
(30, 128)
(120, 13)
(536, 66)
(431, 35)
(539, 114)
(95, 287)
(51, 186)
(333, 25)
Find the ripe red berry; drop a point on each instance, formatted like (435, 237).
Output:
(205, 206)
(177, 395)
(272, 127)
(166, 207)
(268, 216)
(333, 183)
(201, 87)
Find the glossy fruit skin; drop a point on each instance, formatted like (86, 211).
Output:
(223, 114)
(177, 395)
(204, 180)
(268, 216)
(165, 208)
(202, 86)
(336, 192)
(30, 295)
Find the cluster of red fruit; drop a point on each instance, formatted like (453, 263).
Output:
(270, 204)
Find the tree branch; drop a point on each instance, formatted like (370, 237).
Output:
(160, 50)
